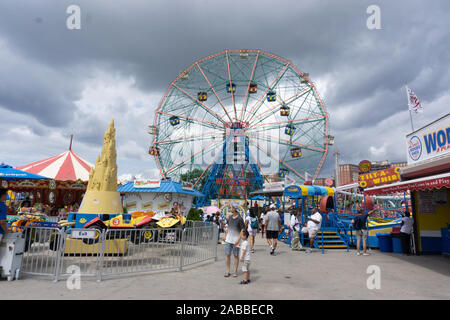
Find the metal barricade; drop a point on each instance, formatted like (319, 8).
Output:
(99, 253)
(196, 224)
(81, 252)
(199, 244)
(147, 250)
(41, 251)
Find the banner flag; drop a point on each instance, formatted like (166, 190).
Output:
(288, 181)
(308, 178)
(413, 101)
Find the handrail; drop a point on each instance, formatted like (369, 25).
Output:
(340, 226)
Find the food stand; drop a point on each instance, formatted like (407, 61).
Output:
(427, 178)
(157, 196)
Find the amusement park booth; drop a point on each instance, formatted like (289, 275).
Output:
(42, 189)
(157, 196)
(427, 177)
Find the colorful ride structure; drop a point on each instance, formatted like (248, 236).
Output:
(237, 117)
(339, 207)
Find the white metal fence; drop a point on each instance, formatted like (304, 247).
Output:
(57, 253)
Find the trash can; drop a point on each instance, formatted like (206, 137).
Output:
(11, 253)
(385, 242)
(396, 243)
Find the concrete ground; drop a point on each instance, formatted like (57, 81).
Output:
(287, 275)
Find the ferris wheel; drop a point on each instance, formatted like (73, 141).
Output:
(241, 106)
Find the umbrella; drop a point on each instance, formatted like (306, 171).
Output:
(211, 210)
(9, 173)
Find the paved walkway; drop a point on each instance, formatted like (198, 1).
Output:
(287, 275)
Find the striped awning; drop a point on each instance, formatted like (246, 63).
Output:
(301, 191)
(66, 166)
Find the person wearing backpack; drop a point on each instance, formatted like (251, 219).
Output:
(359, 224)
(251, 224)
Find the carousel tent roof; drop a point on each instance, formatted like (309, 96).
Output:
(66, 166)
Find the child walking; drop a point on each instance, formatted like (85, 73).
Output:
(245, 256)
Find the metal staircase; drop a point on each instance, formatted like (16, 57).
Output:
(332, 235)
(330, 239)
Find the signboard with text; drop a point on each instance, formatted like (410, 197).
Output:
(187, 186)
(272, 186)
(429, 142)
(147, 184)
(365, 166)
(378, 178)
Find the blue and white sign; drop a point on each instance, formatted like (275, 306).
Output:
(414, 148)
(430, 141)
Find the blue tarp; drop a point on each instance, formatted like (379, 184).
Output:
(9, 173)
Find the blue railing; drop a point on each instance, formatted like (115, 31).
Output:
(341, 228)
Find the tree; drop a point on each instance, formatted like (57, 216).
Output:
(193, 175)
(194, 214)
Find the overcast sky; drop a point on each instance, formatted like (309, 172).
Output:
(55, 82)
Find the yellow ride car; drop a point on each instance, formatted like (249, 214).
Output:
(122, 226)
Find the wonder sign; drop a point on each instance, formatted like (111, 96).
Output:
(379, 178)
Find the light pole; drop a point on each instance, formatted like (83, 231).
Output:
(336, 166)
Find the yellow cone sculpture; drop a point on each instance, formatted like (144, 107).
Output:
(101, 195)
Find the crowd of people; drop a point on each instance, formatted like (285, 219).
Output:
(239, 234)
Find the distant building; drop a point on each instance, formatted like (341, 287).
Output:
(348, 173)
(379, 165)
(398, 164)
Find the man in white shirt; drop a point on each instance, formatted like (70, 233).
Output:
(313, 226)
(405, 232)
(295, 228)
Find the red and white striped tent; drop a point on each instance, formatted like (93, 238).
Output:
(66, 166)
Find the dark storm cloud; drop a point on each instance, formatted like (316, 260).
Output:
(44, 66)
(42, 92)
(156, 41)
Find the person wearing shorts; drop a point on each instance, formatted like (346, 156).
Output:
(249, 220)
(273, 226)
(359, 223)
(363, 233)
(313, 226)
(235, 224)
(245, 256)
